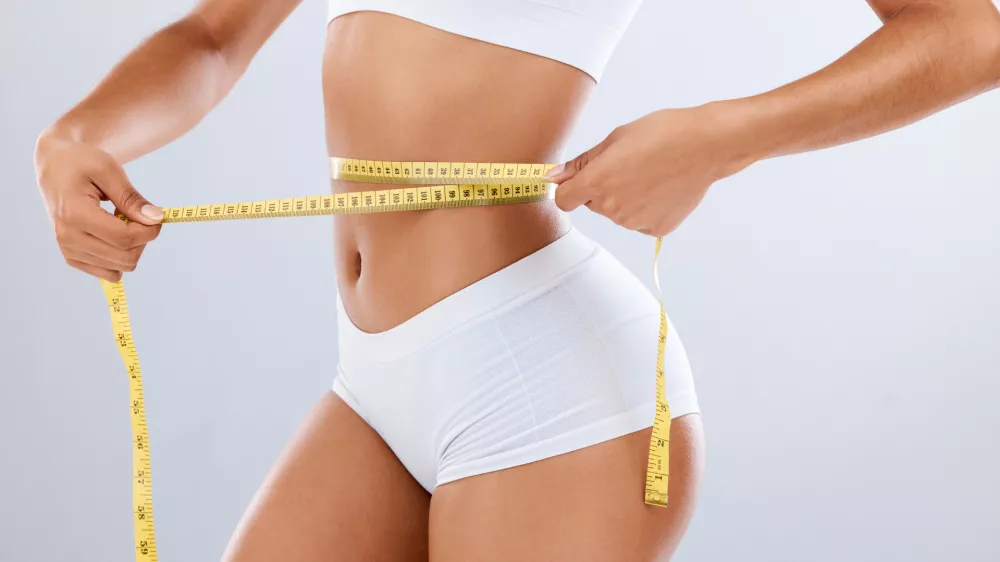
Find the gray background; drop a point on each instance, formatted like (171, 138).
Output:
(839, 307)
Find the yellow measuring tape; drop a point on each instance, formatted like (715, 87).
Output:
(430, 185)
(142, 483)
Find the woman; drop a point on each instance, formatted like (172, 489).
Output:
(493, 401)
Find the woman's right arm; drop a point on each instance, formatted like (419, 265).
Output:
(161, 90)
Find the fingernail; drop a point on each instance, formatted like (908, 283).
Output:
(152, 212)
(554, 171)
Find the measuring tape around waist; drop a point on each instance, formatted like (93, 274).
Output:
(427, 185)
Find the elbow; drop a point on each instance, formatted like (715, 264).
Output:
(224, 45)
(199, 35)
(982, 32)
(970, 40)
(990, 49)
(199, 39)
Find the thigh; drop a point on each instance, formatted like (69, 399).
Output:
(336, 493)
(583, 506)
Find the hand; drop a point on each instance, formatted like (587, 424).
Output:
(74, 178)
(650, 174)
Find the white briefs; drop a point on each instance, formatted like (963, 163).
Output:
(553, 353)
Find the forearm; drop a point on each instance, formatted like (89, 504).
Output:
(161, 90)
(923, 59)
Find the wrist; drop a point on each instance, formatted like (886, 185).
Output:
(56, 134)
(63, 133)
(47, 139)
(741, 124)
(62, 130)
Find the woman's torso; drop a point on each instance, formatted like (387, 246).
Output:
(398, 90)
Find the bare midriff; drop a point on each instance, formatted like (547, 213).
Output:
(398, 90)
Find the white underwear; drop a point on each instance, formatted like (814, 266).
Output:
(553, 353)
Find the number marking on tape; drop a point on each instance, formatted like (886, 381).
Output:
(428, 185)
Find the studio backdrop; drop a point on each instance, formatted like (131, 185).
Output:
(839, 307)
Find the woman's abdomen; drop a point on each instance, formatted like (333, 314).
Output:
(397, 90)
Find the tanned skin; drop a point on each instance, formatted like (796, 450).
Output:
(338, 492)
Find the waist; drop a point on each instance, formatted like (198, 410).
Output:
(391, 266)
(398, 90)
(525, 276)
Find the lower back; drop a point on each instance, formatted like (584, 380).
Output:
(397, 90)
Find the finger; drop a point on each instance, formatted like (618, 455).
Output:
(108, 256)
(659, 230)
(601, 208)
(145, 234)
(96, 261)
(622, 215)
(119, 234)
(103, 273)
(565, 172)
(608, 209)
(655, 232)
(572, 194)
(90, 244)
(113, 182)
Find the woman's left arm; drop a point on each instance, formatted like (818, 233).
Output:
(650, 174)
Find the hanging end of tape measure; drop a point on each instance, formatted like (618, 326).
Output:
(112, 290)
(656, 479)
(656, 498)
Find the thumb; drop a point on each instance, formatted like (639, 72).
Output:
(113, 182)
(564, 172)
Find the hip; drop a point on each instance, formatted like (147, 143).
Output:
(568, 316)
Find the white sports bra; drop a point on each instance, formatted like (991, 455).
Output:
(580, 33)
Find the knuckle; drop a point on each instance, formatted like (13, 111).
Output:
(580, 162)
(132, 259)
(148, 234)
(617, 217)
(611, 207)
(562, 199)
(629, 215)
(130, 198)
(62, 233)
(125, 240)
(64, 213)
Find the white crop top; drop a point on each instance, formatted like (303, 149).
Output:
(580, 33)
